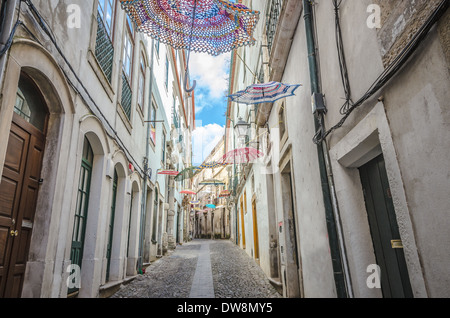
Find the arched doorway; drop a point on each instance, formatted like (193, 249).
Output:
(109, 247)
(20, 183)
(82, 206)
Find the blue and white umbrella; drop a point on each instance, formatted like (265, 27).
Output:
(264, 93)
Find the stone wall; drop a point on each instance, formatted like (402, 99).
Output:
(400, 20)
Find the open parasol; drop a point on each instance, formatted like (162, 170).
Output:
(211, 165)
(224, 194)
(168, 172)
(213, 182)
(187, 173)
(187, 191)
(264, 93)
(204, 26)
(210, 26)
(242, 155)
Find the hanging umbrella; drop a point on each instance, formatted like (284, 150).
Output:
(211, 206)
(187, 191)
(194, 202)
(224, 194)
(210, 26)
(187, 173)
(211, 165)
(264, 93)
(242, 155)
(168, 172)
(212, 182)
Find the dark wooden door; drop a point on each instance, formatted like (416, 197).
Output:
(109, 247)
(18, 197)
(81, 212)
(384, 229)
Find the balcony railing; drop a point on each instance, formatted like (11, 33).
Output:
(104, 49)
(273, 14)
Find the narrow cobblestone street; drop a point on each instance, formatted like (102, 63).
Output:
(201, 269)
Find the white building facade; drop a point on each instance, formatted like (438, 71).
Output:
(87, 108)
(331, 216)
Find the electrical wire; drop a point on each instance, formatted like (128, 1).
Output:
(392, 69)
(342, 61)
(47, 30)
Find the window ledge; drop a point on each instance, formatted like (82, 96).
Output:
(124, 118)
(107, 86)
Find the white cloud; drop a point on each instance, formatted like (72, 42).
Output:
(204, 139)
(211, 72)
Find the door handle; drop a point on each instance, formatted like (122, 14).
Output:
(396, 243)
(14, 233)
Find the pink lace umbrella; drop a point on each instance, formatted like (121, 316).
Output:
(188, 191)
(242, 155)
(168, 172)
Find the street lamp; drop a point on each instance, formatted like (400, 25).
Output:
(242, 128)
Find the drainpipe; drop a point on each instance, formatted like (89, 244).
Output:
(335, 234)
(146, 166)
(7, 17)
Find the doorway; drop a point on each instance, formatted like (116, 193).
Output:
(255, 230)
(81, 212)
(242, 222)
(292, 269)
(19, 185)
(388, 248)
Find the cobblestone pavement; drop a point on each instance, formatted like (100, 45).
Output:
(233, 274)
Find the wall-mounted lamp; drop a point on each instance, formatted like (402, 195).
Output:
(242, 128)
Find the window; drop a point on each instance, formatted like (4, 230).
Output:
(281, 120)
(30, 105)
(81, 212)
(130, 24)
(106, 12)
(155, 215)
(163, 155)
(167, 73)
(157, 47)
(127, 55)
(153, 123)
(141, 89)
(109, 246)
(245, 201)
(104, 50)
(176, 121)
(127, 69)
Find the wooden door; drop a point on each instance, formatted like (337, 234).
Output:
(109, 246)
(18, 197)
(242, 223)
(255, 230)
(384, 229)
(81, 212)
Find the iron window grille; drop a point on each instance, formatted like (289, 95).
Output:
(273, 15)
(126, 96)
(104, 49)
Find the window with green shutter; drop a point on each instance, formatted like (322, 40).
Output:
(104, 49)
(111, 225)
(81, 212)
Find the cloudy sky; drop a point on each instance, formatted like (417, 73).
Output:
(212, 76)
